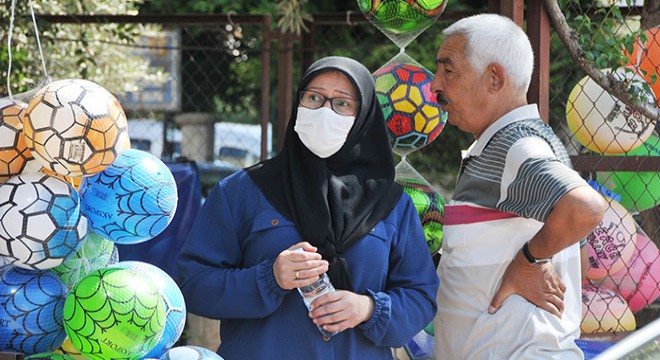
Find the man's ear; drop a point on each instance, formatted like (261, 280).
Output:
(496, 77)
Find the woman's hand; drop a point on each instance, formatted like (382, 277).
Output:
(293, 269)
(340, 310)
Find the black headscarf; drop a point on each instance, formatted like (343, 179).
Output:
(334, 202)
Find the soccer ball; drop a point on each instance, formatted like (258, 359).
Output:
(431, 209)
(601, 122)
(639, 190)
(612, 243)
(75, 127)
(95, 253)
(75, 181)
(605, 311)
(40, 221)
(402, 16)
(190, 352)
(31, 303)
(131, 201)
(114, 313)
(67, 349)
(645, 59)
(14, 153)
(413, 117)
(175, 306)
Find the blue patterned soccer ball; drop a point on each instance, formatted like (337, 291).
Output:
(175, 306)
(190, 352)
(40, 221)
(31, 303)
(131, 201)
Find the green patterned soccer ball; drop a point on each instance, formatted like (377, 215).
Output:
(114, 313)
(96, 252)
(402, 16)
(431, 209)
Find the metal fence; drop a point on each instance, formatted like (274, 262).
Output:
(210, 59)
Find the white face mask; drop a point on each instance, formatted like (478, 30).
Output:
(322, 130)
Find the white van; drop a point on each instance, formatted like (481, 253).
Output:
(149, 134)
(239, 144)
(235, 144)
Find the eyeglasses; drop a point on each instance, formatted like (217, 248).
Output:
(341, 105)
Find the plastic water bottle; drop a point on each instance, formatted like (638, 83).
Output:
(310, 292)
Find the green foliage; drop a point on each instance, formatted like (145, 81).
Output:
(607, 37)
(208, 7)
(74, 50)
(292, 16)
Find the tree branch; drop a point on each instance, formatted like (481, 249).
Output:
(608, 82)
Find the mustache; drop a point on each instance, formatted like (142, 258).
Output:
(441, 99)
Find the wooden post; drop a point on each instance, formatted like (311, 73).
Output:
(538, 30)
(284, 84)
(514, 9)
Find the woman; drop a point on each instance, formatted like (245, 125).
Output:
(330, 191)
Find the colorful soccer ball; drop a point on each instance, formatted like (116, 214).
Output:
(40, 221)
(175, 306)
(131, 201)
(604, 124)
(75, 127)
(114, 313)
(190, 352)
(95, 253)
(14, 153)
(431, 209)
(402, 16)
(413, 117)
(31, 303)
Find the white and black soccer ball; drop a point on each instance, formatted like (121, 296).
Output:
(40, 221)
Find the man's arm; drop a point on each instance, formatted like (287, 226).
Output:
(574, 216)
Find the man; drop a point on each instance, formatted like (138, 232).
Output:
(510, 267)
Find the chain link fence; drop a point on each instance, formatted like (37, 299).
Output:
(223, 101)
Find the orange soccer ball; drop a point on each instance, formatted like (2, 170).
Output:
(14, 153)
(645, 58)
(75, 127)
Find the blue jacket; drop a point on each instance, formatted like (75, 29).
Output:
(226, 273)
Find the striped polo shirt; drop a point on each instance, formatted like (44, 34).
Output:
(518, 165)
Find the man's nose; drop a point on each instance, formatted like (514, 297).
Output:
(436, 84)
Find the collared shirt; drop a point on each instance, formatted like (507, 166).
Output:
(518, 165)
(510, 180)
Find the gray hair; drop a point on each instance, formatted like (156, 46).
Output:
(497, 39)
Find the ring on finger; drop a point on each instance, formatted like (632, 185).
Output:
(297, 274)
